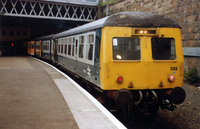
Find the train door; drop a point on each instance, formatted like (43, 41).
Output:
(75, 49)
(32, 48)
(42, 48)
(38, 48)
(35, 48)
(55, 46)
(51, 50)
(97, 56)
(29, 48)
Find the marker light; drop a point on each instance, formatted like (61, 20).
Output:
(119, 57)
(171, 78)
(120, 79)
(145, 31)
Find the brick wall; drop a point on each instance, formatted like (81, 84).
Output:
(185, 12)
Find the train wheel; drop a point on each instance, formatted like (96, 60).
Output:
(126, 113)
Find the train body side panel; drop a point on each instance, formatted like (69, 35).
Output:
(30, 50)
(145, 73)
(81, 69)
(81, 66)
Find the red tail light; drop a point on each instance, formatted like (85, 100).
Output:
(171, 78)
(120, 79)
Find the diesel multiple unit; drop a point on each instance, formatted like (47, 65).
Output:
(135, 58)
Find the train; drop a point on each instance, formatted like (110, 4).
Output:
(133, 58)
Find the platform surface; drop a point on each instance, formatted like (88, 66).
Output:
(34, 95)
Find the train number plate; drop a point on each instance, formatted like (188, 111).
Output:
(174, 68)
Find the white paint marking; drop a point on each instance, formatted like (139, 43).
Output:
(115, 121)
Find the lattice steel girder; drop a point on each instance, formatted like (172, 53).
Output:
(48, 10)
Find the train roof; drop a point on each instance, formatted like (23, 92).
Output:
(84, 28)
(125, 19)
(45, 37)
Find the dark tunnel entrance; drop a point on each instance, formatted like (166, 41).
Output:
(16, 48)
(15, 32)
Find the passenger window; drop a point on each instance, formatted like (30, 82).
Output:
(81, 46)
(59, 48)
(46, 46)
(29, 46)
(69, 46)
(76, 47)
(163, 48)
(37, 45)
(69, 49)
(43, 47)
(62, 49)
(98, 46)
(73, 46)
(65, 46)
(89, 47)
(126, 48)
(65, 49)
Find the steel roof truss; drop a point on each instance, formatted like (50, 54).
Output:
(48, 10)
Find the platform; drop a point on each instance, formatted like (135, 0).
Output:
(34, 95)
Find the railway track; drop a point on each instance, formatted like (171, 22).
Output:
(139, 120)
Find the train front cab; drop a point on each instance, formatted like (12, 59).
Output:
(142, 61)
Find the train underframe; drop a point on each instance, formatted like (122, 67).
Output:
(149, 100)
